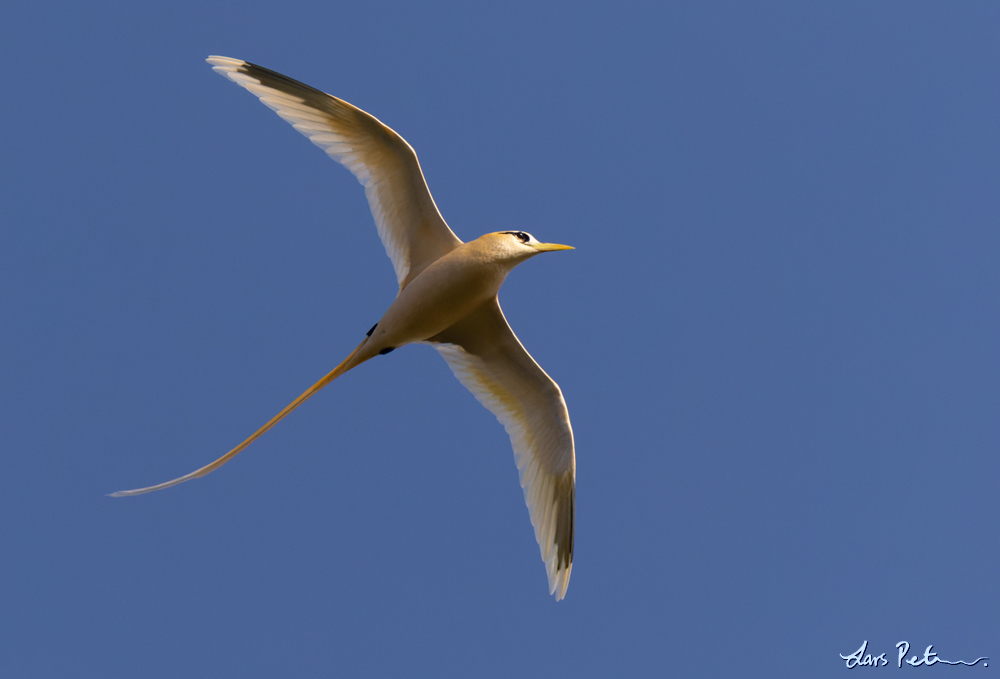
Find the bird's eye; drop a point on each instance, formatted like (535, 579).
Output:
(520, 235)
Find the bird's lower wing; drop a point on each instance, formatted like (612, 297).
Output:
(489, 361)
(408, 221)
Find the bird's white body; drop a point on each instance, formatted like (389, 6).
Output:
(447, 298)
(444, 293)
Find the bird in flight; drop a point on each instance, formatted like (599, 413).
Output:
(447, 298)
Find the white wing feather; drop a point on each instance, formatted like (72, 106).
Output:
(489, 361)
(411, 227)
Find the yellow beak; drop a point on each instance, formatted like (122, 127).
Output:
(549, 247)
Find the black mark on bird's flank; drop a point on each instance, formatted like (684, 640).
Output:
(369, 333)
(385, 351)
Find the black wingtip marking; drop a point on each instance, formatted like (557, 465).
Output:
(369, 333)
(566, 497)
(269, 78)
(385, 351)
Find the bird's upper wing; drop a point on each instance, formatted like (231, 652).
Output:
(408, 221)
(488, 359)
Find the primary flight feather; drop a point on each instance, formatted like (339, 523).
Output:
(447, 298)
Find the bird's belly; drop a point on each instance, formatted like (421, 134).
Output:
(433, 301)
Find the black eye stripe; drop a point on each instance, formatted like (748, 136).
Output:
(520, 235)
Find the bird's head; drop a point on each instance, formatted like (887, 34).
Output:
(519, 245)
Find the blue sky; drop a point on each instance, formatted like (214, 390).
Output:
(777, 338)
